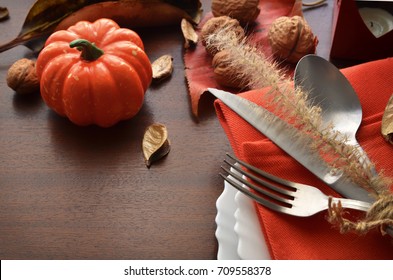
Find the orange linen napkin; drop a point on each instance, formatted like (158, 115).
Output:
(314, 237)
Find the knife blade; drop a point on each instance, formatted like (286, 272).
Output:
(293, 142)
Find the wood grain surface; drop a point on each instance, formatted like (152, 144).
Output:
(69, 192)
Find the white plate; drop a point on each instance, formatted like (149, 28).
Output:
(378, 21)
(238, 232)
(225, 220)
(251, 242)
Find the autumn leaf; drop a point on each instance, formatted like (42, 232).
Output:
(45, 16)
(155, 144)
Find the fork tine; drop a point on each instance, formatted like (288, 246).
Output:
(266, 175)
(257, 198)
(256, 188)
(260, 180)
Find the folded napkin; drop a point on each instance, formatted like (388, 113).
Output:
(314, 237)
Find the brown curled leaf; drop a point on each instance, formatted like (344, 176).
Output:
(41, 20)
(162, 67)
(189, 33)
(4, 14)
(155, 144)
(46, 16)
(387, 121)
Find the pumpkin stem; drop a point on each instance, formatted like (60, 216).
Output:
(89, 51)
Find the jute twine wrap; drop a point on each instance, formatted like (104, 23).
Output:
(380, 215)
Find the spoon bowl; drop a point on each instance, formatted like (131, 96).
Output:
(328, 88)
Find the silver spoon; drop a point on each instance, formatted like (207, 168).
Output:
(329, 88)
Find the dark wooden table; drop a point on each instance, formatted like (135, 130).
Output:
(69, 192)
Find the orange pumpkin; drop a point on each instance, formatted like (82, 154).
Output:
(94, 73)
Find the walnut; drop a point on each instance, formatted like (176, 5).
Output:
(226, 73)
(291, 38)
(22, 77)
(245, 11)
(214, 25)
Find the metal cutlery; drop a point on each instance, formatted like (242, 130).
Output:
(293, 142)
(297, 144)
(328, 88)
(281, 195)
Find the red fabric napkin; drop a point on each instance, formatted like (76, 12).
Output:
(314, 237)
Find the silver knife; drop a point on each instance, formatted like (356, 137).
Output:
(293, 142)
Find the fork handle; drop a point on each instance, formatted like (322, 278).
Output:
(352, 204)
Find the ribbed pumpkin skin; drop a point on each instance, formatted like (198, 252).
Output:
(104, 91)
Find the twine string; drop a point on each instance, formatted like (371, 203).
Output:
(380, 215)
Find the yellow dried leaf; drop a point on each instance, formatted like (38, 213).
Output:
(155, 144)
(162, 67)
(387, 121)
(189, 33)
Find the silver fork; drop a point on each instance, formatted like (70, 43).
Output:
(282, 195)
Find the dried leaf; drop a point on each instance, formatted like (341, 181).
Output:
(41, 20)
(191, 7)
(45, 15)
(134, 13)
(387, 121)
(162, 67)
(4, 14)
(190, 36)
(155, 144)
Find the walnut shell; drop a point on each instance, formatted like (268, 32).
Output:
(291, 38)
(245, 11)
(214, 25)
(22, 77)
(225, 73)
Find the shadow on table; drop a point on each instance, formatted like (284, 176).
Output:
(93, 145)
